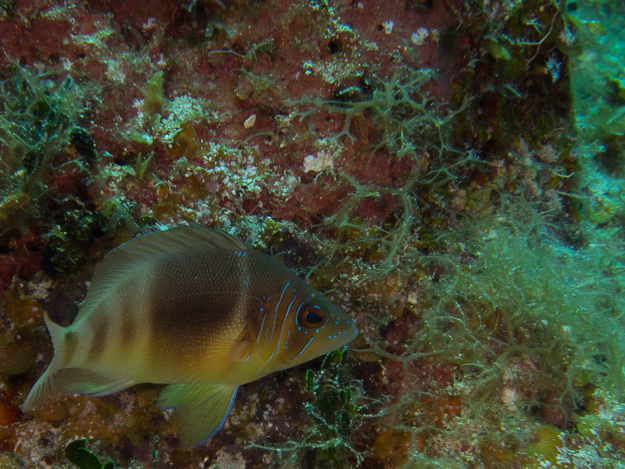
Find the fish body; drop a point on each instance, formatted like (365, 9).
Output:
(195, 309)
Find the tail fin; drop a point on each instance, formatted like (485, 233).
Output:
(47, 384)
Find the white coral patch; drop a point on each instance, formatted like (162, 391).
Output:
(323, 161)
(420, 36)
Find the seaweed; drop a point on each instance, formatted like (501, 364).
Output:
(37, 118)
(338, 408)
(411, 124)
(333, 407)
(84, 144)
(7, 7)
(69, 242)
(77, 453)
(403, 111)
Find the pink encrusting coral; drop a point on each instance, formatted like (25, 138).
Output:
(416, 161)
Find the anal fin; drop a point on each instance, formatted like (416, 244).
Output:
(201, 409)
(85, 381)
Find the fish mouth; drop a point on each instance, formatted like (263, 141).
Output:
(352, 335)
(346, 338)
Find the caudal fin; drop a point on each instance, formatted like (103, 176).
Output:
(47, 384)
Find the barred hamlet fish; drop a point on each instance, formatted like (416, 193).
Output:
(195, 309)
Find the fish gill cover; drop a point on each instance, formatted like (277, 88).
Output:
(450, 173)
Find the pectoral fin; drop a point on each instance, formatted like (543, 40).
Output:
(201, 409)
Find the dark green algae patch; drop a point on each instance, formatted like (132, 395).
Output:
(83, 458)
(454, 188)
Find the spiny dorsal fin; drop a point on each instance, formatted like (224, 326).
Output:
(140, 253)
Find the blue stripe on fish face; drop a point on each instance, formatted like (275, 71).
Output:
(288, 310)
(302, 351)
(272, 355)
(297, 313)
(275, 317)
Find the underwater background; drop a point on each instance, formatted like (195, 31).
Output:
(451, 173)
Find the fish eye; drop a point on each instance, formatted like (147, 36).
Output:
(312, 317)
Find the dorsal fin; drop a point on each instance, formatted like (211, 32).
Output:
(140, 253)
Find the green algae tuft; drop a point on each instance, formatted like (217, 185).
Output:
(77, 453)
